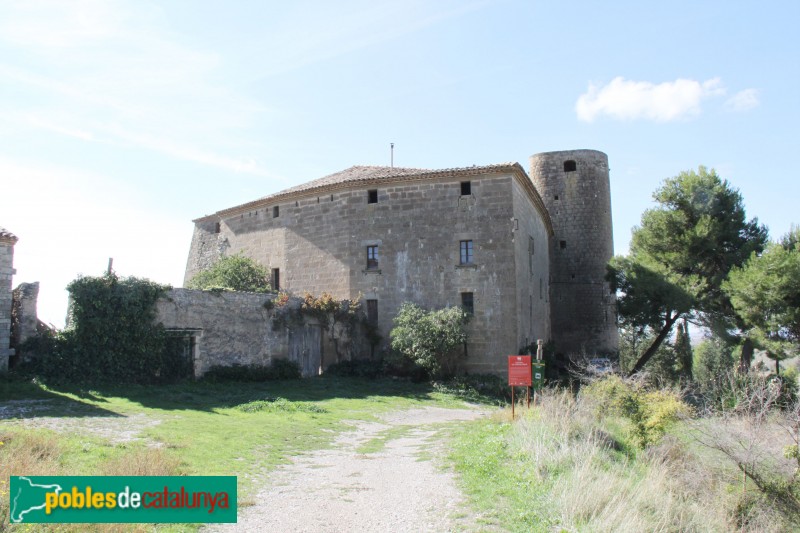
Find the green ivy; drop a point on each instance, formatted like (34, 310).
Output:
(111, 335)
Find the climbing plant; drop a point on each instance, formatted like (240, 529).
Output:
(111, 335)
(341, 319)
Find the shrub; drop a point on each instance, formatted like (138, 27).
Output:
(649, 411)
(273, 405)
(433, 340)
(233, 273)
(359, 368)
(279, 369)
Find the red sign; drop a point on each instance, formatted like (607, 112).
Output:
(519, 370)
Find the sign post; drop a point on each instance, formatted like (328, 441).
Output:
(519, 375)
(538, 370)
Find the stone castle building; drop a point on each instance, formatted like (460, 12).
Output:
(525, 254)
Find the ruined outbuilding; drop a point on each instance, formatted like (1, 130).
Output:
(7, 242)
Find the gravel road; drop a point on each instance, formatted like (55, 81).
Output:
(399, 487)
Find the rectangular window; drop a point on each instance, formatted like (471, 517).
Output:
(372, 257)
(466, 252)
(372, 196)
(276, 212)
(468, 302)
(466, 188)
(276, 279)
(372, 311)
(562, 244)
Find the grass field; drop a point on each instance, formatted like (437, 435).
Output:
(242, 429)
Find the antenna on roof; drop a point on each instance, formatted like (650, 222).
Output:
(391, 154)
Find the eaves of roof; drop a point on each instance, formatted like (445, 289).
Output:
(361, 177)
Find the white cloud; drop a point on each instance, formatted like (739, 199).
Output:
(631, 100)
(743, 100)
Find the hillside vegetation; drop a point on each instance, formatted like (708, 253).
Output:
(621, 456)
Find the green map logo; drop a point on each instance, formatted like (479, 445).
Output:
(122, 499)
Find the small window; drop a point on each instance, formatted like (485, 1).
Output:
(372, 196)
(217, 228)
(530, 254)
(372, 257)
(372, 311)
(466, 252)
(555, 197)
(466, 188)
(562, 244)
(276, 279)
(570, 166)
(468, 302)
(276, 212)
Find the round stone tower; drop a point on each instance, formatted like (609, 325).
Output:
(575, 188)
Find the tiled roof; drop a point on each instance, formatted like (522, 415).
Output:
(365, 174)
(7, 235)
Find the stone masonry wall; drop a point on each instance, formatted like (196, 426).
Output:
(25, 320)
(531, 244)
(579, 202)
(319, 243)
(7, 242)
(229, 327)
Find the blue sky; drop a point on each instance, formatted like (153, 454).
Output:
(121, 121)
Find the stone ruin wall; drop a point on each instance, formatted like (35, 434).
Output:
(25, 323)
(236, 328)
(7, 242)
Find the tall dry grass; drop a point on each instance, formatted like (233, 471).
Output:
(38, 454)
(599, 484)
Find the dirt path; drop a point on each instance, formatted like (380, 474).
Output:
(378, 477)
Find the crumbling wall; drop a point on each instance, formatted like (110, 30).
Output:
(25, 322)
(228, 327)
(7, 242)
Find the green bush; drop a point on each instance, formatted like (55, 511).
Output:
(111, 336)
(649, 411)
(434, 340)
(233, 273)
(272, 405)
(358, 368)
(279, 369)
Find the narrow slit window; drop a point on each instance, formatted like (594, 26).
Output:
(468, 302)
(276, 279)
(276, 212)
(466, 188)
(372, 257)
(372, 196)
(570, 166)
(466, 253)
(530, 255)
